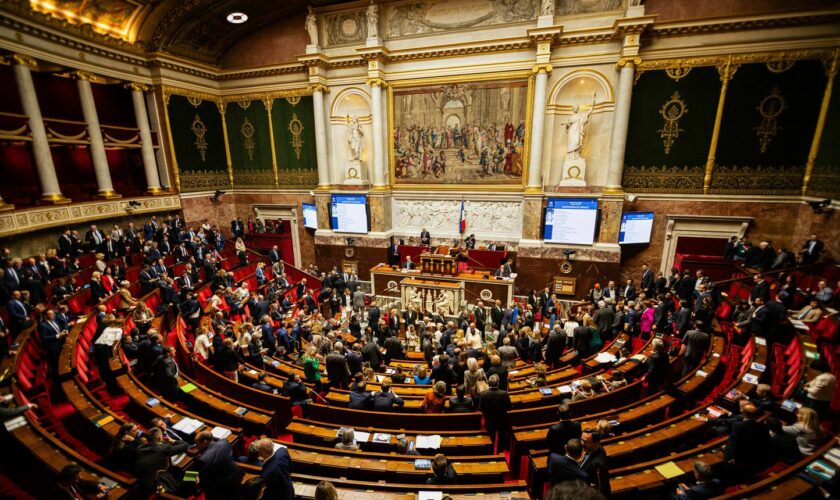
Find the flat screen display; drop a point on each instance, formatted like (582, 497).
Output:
(571, 220)
(635, 228)
(310, 216)
(349, 213)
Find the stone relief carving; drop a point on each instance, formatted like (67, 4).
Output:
(345, 27)
(498, 218)
(442, 15)
(572, 7)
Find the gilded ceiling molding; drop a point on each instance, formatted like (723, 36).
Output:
(742, 24)
(738, 59)
(169, 90)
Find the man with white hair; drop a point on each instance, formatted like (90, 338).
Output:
(276, 470)
(604, 318)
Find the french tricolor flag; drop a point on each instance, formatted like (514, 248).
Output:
(462, 226)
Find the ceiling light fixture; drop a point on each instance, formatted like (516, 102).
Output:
(237, 17)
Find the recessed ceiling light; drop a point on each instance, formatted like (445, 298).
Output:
(237, 17)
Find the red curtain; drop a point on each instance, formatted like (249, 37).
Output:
(127, 174)
(17, 168)
(75, 172)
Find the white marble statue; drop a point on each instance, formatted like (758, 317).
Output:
(372, 20)
(547, 8)
(354, 138)
(576, 129)
(312, 27)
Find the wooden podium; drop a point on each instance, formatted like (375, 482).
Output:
(432, 295)
(438, 264)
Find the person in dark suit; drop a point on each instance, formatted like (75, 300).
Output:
(152, 463)
(695, 343)
(94, 239)
(560, 433)
(274, 255)
(218, 474)
(51, 335)
(360, 398)
(811, 250)
(706, 485)
(337, 370)
(657, 366)
(761, 288)
(65, 244)
(564, 466)
(276, 470)
(394, 254)
(470, 242)
(647, 280)
(425, 238)
(370, 354)
(410, 316)
(748, 446)
(554, 346)
(385, 399)
(496, 314)
(594, 461)
(685, 286)
(682, 318)
(408, 264)
(495, 404)
(165, 374)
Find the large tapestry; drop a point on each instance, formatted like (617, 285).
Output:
(461, 133)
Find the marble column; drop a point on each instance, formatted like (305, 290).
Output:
(40, 143)
(621, 122)
(147, 149)
(324, 180)
(378, 144)
(97, 145)
(537, 128)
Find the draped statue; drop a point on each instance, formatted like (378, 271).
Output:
(576, 129)
(354, 138)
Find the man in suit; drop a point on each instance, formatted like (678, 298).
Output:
(565, 429)
(182, 253)
(706, 485)
(370, 353)
(385, 399)
(274, 255)
(761, 289)
(811, 250)
(13, 276)
(811, 313)
(360, 398)
(394, 349)
(647, 280)
(394, 253)
(507, 268)
(337, 370)
(374, 314)
(604, 318)
(51, 335)
(495, 404)
(152, 463)
(564, 466)
(218, 473)
(165, 374)
(748, 446)
(682, 318)
(359, 301)
(470, 242)
(629, 292)
(695, 344)
(480, 314)
(94, 238)
(425, 238)
(594, 461)
(18, 314)
(410, 315)
(611, 293)
(685, 286)
(657, 366)
(496, 315)
(65, 244)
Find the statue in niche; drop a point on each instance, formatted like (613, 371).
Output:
(372, 20)
(576, 129)
(312, 27)
(354, 138)
(547, 8)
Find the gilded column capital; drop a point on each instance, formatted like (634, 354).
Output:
(139, 87)
(222, 105)
(24, 60)
(83, 75)
(542, 68)
(631, 61)
(378, 82)
(831, 64)
(727, 70)
(318, 87)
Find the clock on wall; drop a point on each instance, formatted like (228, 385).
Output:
(349, 252)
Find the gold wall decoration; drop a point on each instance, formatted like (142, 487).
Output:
(199, 129)
(204, 180)
(244, 104)
(293, 100)
(770, 107)
(757, 180)
(296, 128)
(195, 101)
(254, 178)
(779, 66)
(677, 73)
(247, 130)
(687, 179)
(671, 112)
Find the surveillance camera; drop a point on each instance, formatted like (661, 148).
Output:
(311, 193)
(631, 197)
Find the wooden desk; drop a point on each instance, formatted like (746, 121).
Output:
(363, 490)
(385, 282)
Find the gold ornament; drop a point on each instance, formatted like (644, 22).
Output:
(199, 129)
(296, 128)
(195, 101)
(770, 107)
(293, 100)
(247, 130)
(673, 109)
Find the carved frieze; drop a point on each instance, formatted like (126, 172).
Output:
(497, 219)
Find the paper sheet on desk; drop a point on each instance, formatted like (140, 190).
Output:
(605, 357)
(432, 441)
(430, 495)
(220, 432)
(669, 470)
